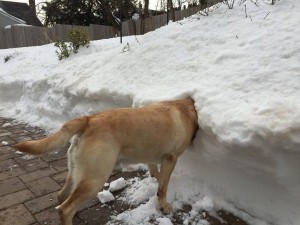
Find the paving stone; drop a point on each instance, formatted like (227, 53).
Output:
(7, 133)
(15, 198)
(6, 149)
(13, 172)
(11, 185)
(37, 136)
(55, 155)
(42, 203)
(34, 130)
(60, 177)
(6, 139)
(2, 130)
(49, 217)
(25, 157)
(7, 165)
(77, 221)
(16, 215)
(9, 155)
(43, 186)
(19, 138)
(20, 130)
(95, 201)
(44, 172)
(59, 165)
(33, 165)
(95, 215)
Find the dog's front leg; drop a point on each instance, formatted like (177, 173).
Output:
(167, 166)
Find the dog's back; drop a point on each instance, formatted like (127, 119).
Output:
(145, 134)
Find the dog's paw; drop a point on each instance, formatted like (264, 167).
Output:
(166, 208)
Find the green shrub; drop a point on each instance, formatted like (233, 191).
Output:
(76, 37)
(64, 50)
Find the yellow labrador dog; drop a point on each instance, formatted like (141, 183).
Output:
(154, 134)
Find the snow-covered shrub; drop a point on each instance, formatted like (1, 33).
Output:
(64, 50)
(10, 56)
(77, 37)
(229, 3)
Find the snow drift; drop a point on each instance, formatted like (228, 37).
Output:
(243, 73)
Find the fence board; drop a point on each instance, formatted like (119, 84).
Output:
(8, 38)
(138, 27)
(163, 20)
(2, 39)
(157, 21)
(178, 15)
(18, 34)
(29, 36)
(93, 31)
(125, 28)
(42, 36)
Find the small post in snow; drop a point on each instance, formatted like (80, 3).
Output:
(167, 12)
(120, 10)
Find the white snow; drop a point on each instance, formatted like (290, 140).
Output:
(140, 190)
(4, 142)
(244, 75)
(117, 185)
(135, 16)
(105, 196)
(164, 221)
(6, 125)
(202, 204)
(139, 215)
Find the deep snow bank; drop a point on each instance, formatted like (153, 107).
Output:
(243, 74)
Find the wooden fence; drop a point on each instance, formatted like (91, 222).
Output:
(23, 36)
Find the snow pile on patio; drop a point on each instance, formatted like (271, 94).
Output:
(243, 73)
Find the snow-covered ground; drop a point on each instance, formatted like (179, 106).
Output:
(244, 75)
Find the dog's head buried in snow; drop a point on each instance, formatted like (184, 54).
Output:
(157, 133)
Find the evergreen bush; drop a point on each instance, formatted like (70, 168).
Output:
(76, 37)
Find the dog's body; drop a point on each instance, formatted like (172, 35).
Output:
(154, 134)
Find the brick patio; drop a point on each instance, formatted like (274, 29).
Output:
(29, 185)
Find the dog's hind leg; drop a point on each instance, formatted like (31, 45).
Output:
(64, 193)
(93, 168)
(153, 170)
(167, 166)
(83, 192)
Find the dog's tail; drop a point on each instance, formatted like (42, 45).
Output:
(61, 137)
